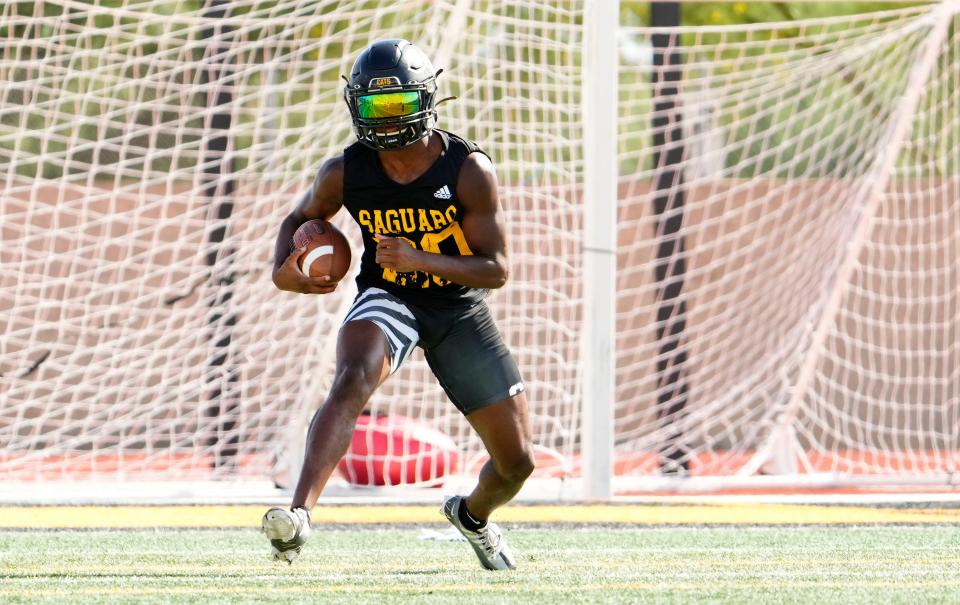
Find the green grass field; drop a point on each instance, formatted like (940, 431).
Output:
(557, 564)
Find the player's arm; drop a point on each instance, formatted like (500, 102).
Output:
(483, 228)
(322, 200)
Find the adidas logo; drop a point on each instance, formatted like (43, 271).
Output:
(443, 193)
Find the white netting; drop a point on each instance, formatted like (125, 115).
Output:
(150, 148)
(814, 305)
(149, 153)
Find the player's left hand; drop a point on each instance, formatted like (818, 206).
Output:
(396, 253)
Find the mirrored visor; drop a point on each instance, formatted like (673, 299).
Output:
(388, 104)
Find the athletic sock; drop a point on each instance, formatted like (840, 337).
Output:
(468, 520)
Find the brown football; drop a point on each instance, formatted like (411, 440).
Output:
(328, 252)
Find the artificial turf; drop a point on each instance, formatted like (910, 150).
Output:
(564, 564)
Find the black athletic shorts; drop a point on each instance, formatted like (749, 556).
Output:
(461, 344)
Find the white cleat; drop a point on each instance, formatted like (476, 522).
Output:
(488, 542)
(287, 531)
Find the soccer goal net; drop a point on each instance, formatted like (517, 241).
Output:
(788, 218)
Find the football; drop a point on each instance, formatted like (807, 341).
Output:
(397, 450)
(328, 252)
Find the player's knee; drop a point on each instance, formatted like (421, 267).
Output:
(354, 382)
(518, 469)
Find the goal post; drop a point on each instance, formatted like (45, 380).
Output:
(149, 150)
(600, 184)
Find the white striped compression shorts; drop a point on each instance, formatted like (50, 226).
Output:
(397, 322)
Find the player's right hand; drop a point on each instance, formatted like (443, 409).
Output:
(289, 277)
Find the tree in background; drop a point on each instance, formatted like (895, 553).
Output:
(726, 13)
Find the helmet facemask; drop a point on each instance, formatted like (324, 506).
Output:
(388, 115)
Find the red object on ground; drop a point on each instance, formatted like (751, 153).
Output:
(397, 450)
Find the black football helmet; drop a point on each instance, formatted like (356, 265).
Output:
(391, 93)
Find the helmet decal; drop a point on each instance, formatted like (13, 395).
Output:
(381, 82)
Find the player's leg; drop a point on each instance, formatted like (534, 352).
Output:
(481, 377)
(363, 363)
(504, 428)
(377, 336)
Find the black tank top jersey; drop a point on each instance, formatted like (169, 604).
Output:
(425, 212)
